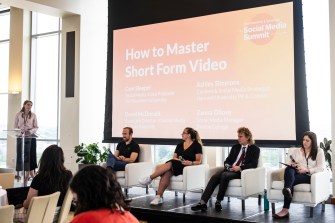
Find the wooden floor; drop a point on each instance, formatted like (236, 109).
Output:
(174, 210)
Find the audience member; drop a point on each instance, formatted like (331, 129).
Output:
(304, 161)
(127, 151)
(98, 197)
(187, 153)
(243, 155)
(51, 176)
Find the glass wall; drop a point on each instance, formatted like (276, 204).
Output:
(45, 77)
(316, 37)
(4, 65)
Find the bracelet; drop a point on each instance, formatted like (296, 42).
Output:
(192, 162)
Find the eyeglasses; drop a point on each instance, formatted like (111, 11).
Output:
(185, 133)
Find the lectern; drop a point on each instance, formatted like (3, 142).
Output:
(24, 142)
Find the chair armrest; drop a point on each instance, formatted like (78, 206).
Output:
(194, 177)
(274, 175)
(135, 171)
(253, 181)
(320, 186)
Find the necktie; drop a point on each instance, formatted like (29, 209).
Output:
(241, 159)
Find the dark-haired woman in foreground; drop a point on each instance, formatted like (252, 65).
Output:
(307, 160)
(98, 197)
(52, 176)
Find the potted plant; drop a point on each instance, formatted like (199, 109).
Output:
(90, 154)
(325, 145)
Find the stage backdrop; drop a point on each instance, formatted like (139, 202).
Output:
(212, 72)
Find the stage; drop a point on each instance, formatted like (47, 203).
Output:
(174, 210)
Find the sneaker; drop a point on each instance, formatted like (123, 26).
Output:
(199, 207)
(145, 181)
(157, 200)
(218, 206)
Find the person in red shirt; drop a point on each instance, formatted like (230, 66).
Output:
(98, 197)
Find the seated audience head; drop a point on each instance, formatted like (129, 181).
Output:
(51, 167)
(194, 134)
(245, 133)
(94, 187)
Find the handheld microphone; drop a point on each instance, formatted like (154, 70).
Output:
(293, 160)
(291, 157)
(227, 166)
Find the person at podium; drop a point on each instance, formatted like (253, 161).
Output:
(26, 121)
(243, 155)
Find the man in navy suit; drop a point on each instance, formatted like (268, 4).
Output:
(243, 155)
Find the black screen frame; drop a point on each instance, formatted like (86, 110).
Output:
(132, 13)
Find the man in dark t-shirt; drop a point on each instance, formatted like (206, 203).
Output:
(126, 152)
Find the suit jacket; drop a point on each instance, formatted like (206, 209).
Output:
(251, 157)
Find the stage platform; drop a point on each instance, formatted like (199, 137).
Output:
(175, 211)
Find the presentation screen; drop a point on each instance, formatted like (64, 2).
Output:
(214, 73)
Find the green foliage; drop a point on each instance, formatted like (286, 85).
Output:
(90, 154)
(325, 145)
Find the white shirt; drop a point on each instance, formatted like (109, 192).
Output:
(313, 166)
(27, 124)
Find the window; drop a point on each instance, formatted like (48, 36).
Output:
(4, 66)
(316, 35)
(163, 153)
(45, 77)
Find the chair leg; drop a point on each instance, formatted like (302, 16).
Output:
(311, 212)
(184, 199)
(323, 206)
(273, 208)
(126, 191)
(147, 189)
(176, 194)
(243, 205)
(259, 200)
(228, 199)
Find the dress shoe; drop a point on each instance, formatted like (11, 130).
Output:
(281, 217)
(218, 206)
(287, 193)
(128, 200)
(199, 207)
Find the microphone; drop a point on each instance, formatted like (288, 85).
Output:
(227, 166)
(291, 157)
(293, 160)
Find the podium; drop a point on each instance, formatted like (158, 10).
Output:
(24, 157)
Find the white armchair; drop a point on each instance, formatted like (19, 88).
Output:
(134, 171)
(252, 182)
(308, 194)
(192, 179)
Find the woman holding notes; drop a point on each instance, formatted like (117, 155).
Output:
(304, 162)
